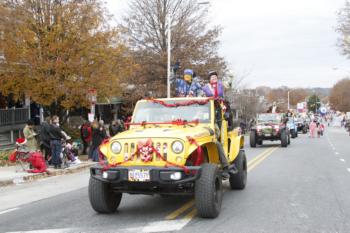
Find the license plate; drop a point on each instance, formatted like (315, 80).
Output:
(267, 135)
(137, 175)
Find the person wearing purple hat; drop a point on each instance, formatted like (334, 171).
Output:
(187, 87)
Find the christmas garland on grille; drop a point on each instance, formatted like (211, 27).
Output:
(146, 154)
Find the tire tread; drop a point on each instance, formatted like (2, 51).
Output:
(101, 198)
(204, 187)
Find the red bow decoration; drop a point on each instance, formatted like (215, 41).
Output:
(145, 150)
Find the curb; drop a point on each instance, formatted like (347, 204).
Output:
(52, 172)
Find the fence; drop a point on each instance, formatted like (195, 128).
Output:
(13, 116)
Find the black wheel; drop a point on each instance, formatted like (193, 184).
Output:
(239, 180)
(252, 139)
(102, 198)
(284, 139)
(296, 134)
(304, 130)
(259, 142)
(292, 132)
(208, 191)
(288, 139)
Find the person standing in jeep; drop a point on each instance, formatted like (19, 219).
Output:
(187, 87)
(86, 135)
(214, 88)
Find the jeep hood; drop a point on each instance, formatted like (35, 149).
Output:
(166, 132)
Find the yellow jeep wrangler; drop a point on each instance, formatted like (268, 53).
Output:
(173, 146)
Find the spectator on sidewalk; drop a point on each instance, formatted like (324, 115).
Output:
(30, 135)
(98, 135)
(115, 128)
(56, 136)
(86, 136)
(45, 139)
(121, 124)
(127, 121)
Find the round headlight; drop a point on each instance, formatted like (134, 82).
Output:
(177, 147)
(116, 147)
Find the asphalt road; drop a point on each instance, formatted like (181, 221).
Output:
(302, 188)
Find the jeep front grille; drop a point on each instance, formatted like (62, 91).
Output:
(130, 148)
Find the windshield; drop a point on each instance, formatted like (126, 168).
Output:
(155, 112)
(269, 118)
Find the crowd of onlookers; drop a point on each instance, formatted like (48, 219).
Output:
(48, 139)
(52, 140)
(93, 134)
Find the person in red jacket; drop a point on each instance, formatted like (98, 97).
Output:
(86, 135)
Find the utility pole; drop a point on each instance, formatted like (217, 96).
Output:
(169, 55)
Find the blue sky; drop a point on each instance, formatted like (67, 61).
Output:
(276, 42)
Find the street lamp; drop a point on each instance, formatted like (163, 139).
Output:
(169, 19)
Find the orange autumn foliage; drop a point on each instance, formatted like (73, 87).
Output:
(55, 51)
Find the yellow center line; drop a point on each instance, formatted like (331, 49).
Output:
(191, 214)
(257, 162)
(251, 164)
(179, 211)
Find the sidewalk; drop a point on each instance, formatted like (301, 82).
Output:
(14, 175)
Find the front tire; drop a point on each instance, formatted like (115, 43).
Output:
(239, 180)
(252, 139)
(102, 198)
(284, 139)
(208, 191)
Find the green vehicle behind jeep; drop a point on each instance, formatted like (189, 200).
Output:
(269, 126)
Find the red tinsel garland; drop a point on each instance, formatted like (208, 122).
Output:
(177, 122)
(182, 103)
(199, 158)
(187, 103)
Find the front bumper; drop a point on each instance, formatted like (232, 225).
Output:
(160, 181)
(270, 136)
